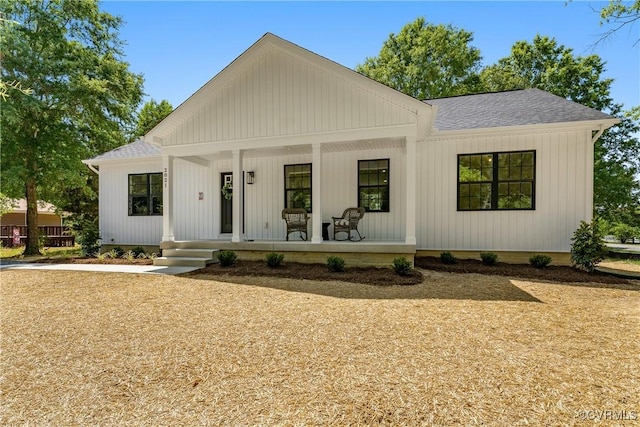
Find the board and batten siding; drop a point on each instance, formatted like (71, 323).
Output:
(193, 200)
(116, 226)
(563, 194)
(280, 95)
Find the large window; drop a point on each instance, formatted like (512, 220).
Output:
(297, 186)
(373, 185)
(145, 194)
(496, 181)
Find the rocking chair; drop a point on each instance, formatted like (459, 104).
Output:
(296, 220)
(347, 223)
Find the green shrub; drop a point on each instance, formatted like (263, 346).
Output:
(587, 249)
(402, 266)
(540, 261)
(274, 259)
(624, 232)
(117, 251)
(227, 258)
(335, 263)
(447, 258)
(489, 258)
(42, 239)
(138, 250)
(128, 255)
(113, 254)
(89, 238)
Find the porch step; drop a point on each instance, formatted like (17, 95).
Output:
(189, 253)
(186, 257)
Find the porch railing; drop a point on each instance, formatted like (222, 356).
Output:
(54, 235)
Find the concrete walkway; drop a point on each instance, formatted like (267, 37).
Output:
(627, 247)
(106, 268)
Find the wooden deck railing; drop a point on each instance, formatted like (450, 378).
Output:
(55, 235)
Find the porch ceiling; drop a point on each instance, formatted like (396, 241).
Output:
(359, 145)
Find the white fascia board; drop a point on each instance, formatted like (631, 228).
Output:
(544, 127)
(204, 148)
(118, 160)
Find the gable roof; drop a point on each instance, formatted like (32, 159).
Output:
(266, 45)
(136, 149)
(513, 108)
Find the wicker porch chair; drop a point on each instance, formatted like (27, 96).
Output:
(296, 220)
(347, 223)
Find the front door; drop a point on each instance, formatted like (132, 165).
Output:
(226, 206)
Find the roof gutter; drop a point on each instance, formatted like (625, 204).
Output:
(598, 125)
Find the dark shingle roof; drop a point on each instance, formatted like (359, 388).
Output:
(138, 148)
(514, 108)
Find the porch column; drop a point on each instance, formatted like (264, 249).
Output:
(238, 196)
(316, 191)
(167, 199)
(411, 188)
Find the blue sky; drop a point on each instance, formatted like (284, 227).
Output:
(178, 46)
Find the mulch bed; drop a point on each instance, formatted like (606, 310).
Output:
(375, 276)
(387, 277)
(554, 273)
(293, 270)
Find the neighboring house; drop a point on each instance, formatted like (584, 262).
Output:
(13, 225)
(509, 171)
(18, 214)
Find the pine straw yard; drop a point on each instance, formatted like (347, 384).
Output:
(459, 349)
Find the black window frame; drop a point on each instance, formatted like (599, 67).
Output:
(147, 193)
(288, 189)
(386, 186)
(496, 180)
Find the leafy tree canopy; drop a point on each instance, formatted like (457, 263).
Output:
(554, 68)
(426, 61)
(619, 14)
(150, 115)
(82, 98)
(7, 204)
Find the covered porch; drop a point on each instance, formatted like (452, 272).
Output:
(260, 192)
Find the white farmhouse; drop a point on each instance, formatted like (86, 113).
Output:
(281, 127)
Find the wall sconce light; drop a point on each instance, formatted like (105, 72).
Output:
(250, 177)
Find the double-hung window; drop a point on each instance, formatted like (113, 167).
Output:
(497, 181)
(145, 194)
(297, 186)
(373, 185)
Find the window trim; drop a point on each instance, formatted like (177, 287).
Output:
(496, 180)
(148, 194)
(284, 169)
(360, 186)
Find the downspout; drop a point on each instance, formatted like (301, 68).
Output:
(591, 207)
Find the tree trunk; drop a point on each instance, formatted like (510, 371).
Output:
(33, 243)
